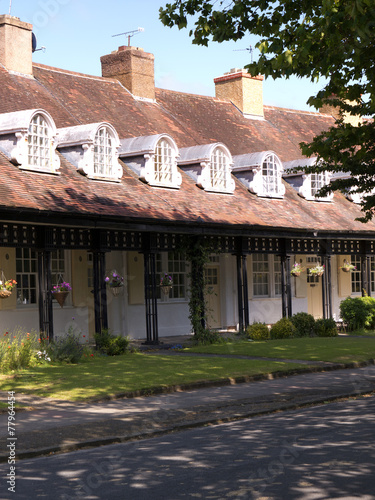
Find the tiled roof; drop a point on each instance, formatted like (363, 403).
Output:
(74, 99)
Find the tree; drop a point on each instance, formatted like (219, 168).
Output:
(334, 39)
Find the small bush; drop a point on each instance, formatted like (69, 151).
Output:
(67, 349)
(358, 312)
(304, 324)
(17, 349)
(205, 337)
(325, 328)
(110, 344)
(258, 331)
(283, 329)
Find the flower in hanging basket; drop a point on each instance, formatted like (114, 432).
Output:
(8, 285)
(62, 287)
(6, 288)
(318, 270)
(166, 280)
(297, 269)
(347, 267)
(114, 280)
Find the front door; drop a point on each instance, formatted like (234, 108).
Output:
(212, 296)
(314, 289)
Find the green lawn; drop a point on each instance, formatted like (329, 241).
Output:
(334, 349)
(107, 376)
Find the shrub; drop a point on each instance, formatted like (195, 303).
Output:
(258, 331)
(16, 350)
(358, 312)
(67, 349)
(204, 336)
(325, 328)
(304, 324)
(110, 344)
(283, 329)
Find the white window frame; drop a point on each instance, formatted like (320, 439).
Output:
(27, 277)
(267, 177)
(312, 183)
(176, 265)
(268, 266)
(164, 159)
(104, 153)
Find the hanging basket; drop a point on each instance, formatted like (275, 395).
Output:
(60, 297)
(4, 293)
(295, 273)
(166, 289)
(116, 290)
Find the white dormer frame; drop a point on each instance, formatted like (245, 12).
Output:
(92, 149)
(154, 158)
(213, 164)
(311, 183)
(28, 138)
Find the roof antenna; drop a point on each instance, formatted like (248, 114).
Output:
(250, 49)
(10, 6)
(130, 34)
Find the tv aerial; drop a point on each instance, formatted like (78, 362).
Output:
(250, 49)
(130, 34)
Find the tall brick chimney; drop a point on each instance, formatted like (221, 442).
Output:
(134, 68)
(243, 90)
(16, 45)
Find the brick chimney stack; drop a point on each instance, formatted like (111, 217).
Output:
(133, 68)
(16, 45)
(243, 90)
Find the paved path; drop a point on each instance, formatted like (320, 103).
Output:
(55, 426)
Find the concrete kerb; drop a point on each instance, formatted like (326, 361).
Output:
(142, 426)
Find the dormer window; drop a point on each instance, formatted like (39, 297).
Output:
(210, 166)
(163, 162)
(103, 153)
(218, 169)
(28, 139)
(272, 184)
(261, 173)
(93, 149)
(154, 159)
(307, 185)
(38, 141)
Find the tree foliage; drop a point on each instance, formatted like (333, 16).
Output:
(334, 39)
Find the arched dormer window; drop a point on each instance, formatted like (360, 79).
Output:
(163, 162)
(261, 173)
(210, 166)
(271, 174)
(104, 157)
(307, 185)
(219, 167)
(29, 140)
(93, 149)
(153, 158)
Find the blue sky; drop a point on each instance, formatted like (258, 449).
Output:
(77, 32)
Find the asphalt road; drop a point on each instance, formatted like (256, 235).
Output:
(323, 452)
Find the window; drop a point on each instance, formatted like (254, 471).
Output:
(57, 267)
(173, 263)
(163, 162)
(317, 182)
(103, 153)
(38, 140)
(260, 275)
(271, 177)
(218, 169)
(356, 275)
(266, 275)
(26, 276)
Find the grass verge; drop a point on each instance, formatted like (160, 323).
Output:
(332, 349)
(108, 376)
